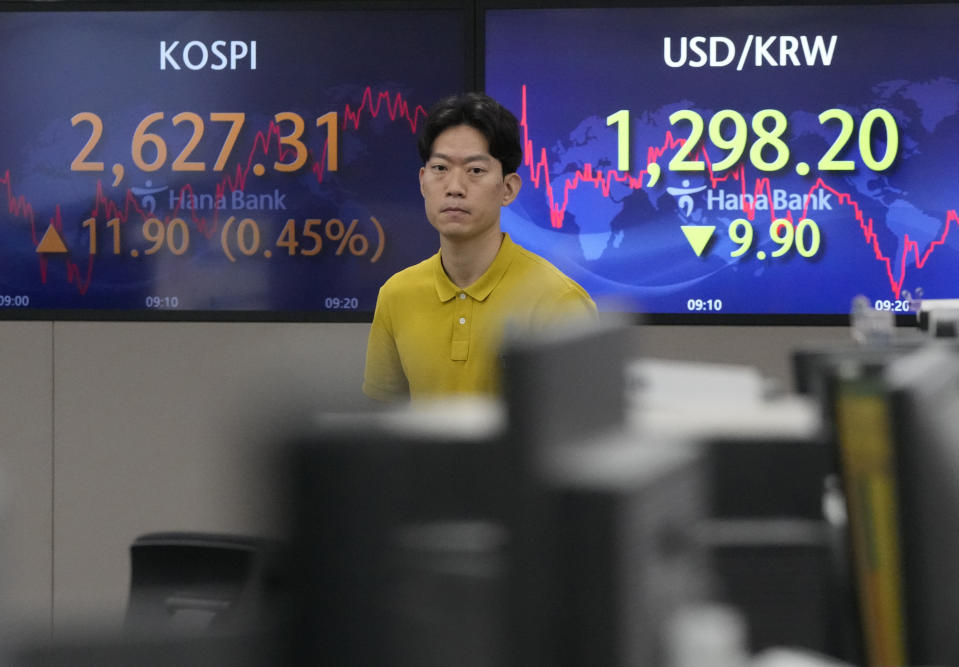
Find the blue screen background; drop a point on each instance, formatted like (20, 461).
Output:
(888, 235)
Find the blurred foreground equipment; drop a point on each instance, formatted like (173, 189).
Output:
(185, 582)
(531, 532)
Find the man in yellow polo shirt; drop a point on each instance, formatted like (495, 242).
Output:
(438, 325)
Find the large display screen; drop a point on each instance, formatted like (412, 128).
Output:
(230, 161)
(744, 161)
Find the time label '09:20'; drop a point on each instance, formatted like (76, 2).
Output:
(894, 305)
(341, 303)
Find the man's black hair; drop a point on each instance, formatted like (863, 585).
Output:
(483, 113)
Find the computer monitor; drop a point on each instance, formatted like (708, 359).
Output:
(924, 401)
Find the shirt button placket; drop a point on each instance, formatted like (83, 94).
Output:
(462, 319)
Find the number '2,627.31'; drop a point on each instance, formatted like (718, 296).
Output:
(155, 157)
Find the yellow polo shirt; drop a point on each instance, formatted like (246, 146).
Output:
(431, 338)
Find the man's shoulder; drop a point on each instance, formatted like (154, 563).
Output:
(412, 277)
(528, 261)
(545, 291)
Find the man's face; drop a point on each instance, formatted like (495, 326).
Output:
(463, 185)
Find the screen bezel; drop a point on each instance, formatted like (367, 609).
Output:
(909, 320)
(469, 68)
(473, 64)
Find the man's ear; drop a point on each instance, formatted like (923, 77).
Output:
(422, 171)
(513, 183)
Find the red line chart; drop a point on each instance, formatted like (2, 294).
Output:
(537, 161)
(266, 142)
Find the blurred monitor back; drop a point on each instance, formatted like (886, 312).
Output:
(812, 365)
(924, 397)
(600, 555)
(565, 385)
(897, 448)
(395, 537)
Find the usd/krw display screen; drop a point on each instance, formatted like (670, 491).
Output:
(737, 160)
(215, 161)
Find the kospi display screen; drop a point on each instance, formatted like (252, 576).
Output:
(746, 161)
(246, 161)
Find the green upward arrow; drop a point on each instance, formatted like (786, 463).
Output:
(698, 236)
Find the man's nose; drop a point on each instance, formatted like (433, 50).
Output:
(455, 185)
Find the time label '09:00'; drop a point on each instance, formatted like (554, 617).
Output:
(14, 301)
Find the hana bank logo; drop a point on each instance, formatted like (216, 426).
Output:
(684, 196)
(147, 200)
